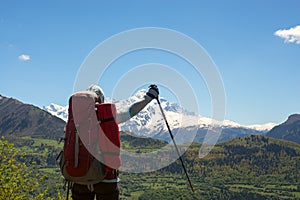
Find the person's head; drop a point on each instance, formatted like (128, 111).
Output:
(98, 91)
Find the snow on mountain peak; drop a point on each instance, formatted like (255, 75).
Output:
(57, 110)
(262, 127)
(149, 122)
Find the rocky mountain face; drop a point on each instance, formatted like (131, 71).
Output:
(288, 130)
(19, 119)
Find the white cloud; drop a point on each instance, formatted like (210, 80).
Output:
(24, 57)
(291, 35)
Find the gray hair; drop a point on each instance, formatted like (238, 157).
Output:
(98, 91)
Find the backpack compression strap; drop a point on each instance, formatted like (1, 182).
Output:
(106, 120)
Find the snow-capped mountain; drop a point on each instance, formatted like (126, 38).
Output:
(186, 126)
(262, 127)
(57, 110)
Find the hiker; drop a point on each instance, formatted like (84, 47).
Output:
(108, 189)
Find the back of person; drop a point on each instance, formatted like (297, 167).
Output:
(95, 144)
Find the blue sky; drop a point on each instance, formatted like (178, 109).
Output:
(44, 43)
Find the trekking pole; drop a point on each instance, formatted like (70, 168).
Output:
(163, 114)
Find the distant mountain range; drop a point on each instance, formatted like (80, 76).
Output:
(186, 125)
(19, 119)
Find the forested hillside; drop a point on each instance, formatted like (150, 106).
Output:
(253, 167)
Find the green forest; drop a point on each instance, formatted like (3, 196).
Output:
(252, 167)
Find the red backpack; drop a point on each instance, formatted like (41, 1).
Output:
(92, 140)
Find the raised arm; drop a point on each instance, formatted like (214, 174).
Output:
(138, 106)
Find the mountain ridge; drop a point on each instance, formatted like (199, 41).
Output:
(186, 126)
(19, 119)
(62, 112)
(149, 122)
(288, 130)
